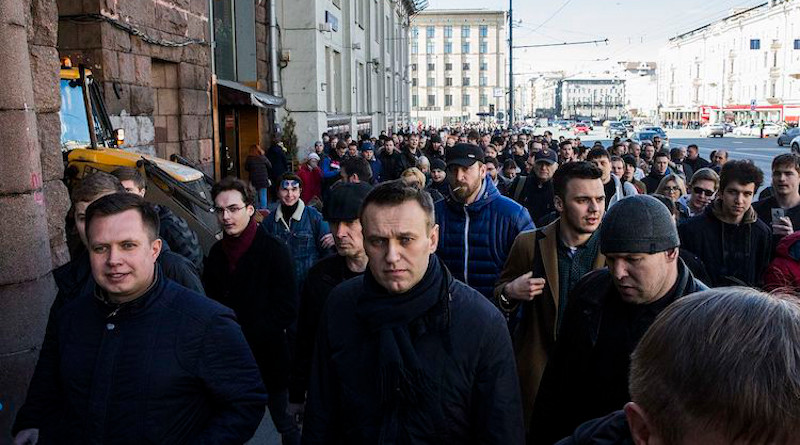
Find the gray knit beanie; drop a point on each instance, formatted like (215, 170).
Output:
(638, 224)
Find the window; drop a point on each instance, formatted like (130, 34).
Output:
(772, 90)
(465, 47)
(465, 100)
(448, 67)
(448, 32)
(413, 67)
(465, 67)
(430, 31)
(431, 100)
(415, 32)
(448, 81)
(465, 81)
(414, 47)
(483, 48)
(464, 31)
(431, 82)
(448, 100)
(414, 100)
(484, 66)
(429, 49)
(796, 43)
(448, 47)
(483, 81)
(484, 100)
(484, 31)
(414, 81)
(755, 43)
(431, 67)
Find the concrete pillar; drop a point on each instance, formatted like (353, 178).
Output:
(33, 201)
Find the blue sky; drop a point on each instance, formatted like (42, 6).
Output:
(636, 29)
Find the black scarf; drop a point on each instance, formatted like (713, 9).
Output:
(402, 376)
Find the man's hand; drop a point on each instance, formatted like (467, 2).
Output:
(327, 241)
(782, 226)
(297, 410)
(524, 287)
(27, 437)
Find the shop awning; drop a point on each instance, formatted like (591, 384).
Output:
(234, 93)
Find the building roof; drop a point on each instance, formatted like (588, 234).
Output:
(461, 11)
(592, 76)
(736, 14)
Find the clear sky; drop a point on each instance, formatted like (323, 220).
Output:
(636, 29)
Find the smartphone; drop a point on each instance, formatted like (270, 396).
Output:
(778, 214)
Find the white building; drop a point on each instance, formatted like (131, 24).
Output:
(545, 91)
(641, 89)
(593, 96)
(458, 64)
(743, 67)
(344, 64)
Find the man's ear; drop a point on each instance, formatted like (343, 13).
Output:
(558, 203)
(156, 248)
(639, 424)
(672, 254)
(434, 238)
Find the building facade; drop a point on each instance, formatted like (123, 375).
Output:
(744, 67)
(344, 65)
(545, 91)
(458, 60)
(593, 96)
(641, 89)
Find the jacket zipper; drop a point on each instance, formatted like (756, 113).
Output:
(466, 245)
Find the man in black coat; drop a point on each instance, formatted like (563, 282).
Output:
(252, 272)
(607, 313)
(728, 237)
(657, 172)
(341, 211)
(139, 359)
(394, 161)
(694, 161)
(405, 353)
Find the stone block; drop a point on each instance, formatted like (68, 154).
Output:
(160, 127)
(45, 74)
(115, 39)
(173, 124)
(199, 7)
(69, 7)
(171, 75)
(117, 97)
(14, 37)
(16, 370)
(190, 150)
(67, 35)
(51, 159)
(141, 100)
(188, 101)
(190, 127)
(206, 150)
(206, 126)
(197, 54)
(171, 148)
(127, 67)
(170, 20)
(56, 198)
(261, 33)
(90, 36)
(109, 66)
(142, 70)
(25, 233)
(261, 13)
(19, 144)
(140, 12)
(43, 24)
(168, 101)
(198, 28)
(157, 75)
(262, 69)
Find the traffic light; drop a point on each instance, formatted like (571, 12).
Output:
(491, 109)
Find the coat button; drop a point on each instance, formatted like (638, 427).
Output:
(110, 326)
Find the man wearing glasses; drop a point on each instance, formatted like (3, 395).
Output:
(252, 272)
(702, 190)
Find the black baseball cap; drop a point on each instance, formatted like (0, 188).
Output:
(464, 154)
(545, 155)
(344, 201)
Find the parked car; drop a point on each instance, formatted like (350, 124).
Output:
(786, 137)
(743, 130)
(642, 135)
(616, 128)
(580, 128)
(728, 127)
(588, 124)
(795, 145)
(628, 124)
(712, 130)
(770, 130)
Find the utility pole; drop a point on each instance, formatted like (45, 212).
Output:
(510, 62)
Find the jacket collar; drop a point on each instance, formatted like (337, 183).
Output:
(131, 308)
(297, 215)
(487, 194)
(750, 215)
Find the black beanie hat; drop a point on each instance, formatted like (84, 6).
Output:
(638, 224)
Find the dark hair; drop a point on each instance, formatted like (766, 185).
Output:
(119, 202)
(353, 143)
(629, 159)
(564, 142)
(660, 154)
(508, 164)
(673, 209)
(394, 193)
(341, 144)
(616, 158)
(493, 161)
(742, 172)
(473, 135)
(692, 145)
(289, 176)
(596, 153)
(675, 154)
(723, 360)
(573, 170)
(94, 186)
(786, 160)
(232, 183)
(130, 174)
(357, 165)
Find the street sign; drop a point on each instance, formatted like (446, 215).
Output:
(498, 92)
(753, 105)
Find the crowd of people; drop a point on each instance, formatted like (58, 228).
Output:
(458, 285)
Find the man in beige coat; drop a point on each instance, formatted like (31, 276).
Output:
(544, 265)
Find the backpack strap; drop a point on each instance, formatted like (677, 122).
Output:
(519, 187)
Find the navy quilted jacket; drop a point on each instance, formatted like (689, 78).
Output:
(474, 240)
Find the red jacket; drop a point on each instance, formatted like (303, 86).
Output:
(312, 182)
(784, 270)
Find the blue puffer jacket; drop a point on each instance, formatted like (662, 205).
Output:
(474, 240)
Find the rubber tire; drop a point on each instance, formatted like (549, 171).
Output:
(180, 237)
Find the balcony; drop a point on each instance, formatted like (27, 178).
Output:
(775, 72)
(774, 100)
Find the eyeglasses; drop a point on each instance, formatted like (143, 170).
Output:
(700, 190)
(672, 188)
(289, 183)
(220, 211)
